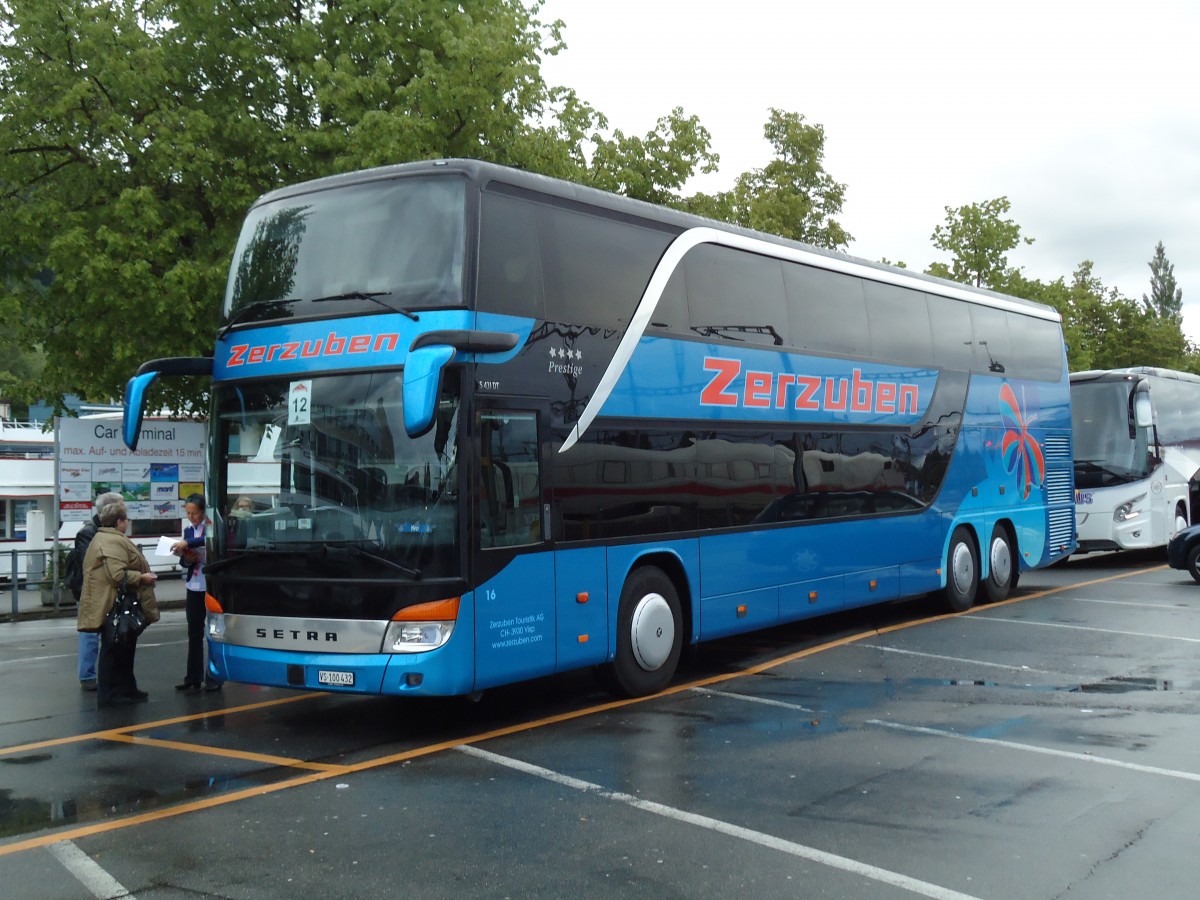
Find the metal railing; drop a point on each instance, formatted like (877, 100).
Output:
(27, 571)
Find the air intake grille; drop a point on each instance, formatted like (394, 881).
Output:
(1057, 449)
(1062, 528)
(1059, 486)
(1060, 492)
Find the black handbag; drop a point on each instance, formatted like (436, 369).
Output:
(126, 619)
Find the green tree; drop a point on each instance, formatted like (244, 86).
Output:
(653, 168)
(1166, 298)
(1105, 330)
(792, 196)
(978, 239)
(135, 133)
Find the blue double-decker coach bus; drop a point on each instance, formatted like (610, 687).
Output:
(472, 425)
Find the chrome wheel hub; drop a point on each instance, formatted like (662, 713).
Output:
(653, 631)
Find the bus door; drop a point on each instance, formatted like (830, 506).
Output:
(514, 603)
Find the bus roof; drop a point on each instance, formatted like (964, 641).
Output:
(1097, 374)
(484, 173)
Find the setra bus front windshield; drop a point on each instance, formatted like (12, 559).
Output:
(396, 243)
(1105, 451)
(325, 462)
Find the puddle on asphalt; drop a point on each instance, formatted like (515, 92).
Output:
(1121, 685)
(21, 816)
(1117, 684)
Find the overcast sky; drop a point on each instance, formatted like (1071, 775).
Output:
(1086, 115)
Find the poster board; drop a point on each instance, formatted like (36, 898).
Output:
(167, 466)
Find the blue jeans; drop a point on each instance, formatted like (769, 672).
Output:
(89, 648)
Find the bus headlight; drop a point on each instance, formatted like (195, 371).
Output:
(1127, 511)
(423, 627)
(416, 637)
(214, 619)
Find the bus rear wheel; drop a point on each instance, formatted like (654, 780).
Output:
(649, 634)
(1002, 566)
(962, 571)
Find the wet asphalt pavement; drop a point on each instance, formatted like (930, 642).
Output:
(1045, 747)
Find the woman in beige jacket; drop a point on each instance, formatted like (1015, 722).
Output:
(113, 559)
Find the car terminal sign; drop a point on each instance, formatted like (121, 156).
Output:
(154, 479)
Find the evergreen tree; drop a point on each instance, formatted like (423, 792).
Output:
(1166, 298)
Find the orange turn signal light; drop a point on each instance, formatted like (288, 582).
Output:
(435, 611)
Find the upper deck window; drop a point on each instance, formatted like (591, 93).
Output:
(400, 241)
(565, 265)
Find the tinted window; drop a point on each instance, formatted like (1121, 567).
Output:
(595, 269)
(510, 267)
(563, 264)
(401, 239)
(1037, 347)
(826, 310)
(740, 474)
(1176, 408)
(617, 483)
(621, 483)
(510, 493)
(899, 323)
(735, 295)
(993, 349)
(950, 327)
(671, 314)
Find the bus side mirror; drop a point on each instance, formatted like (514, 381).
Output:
(422, 376)
(135, 407)
(136, 387)
(1143, 413)
(427, 357)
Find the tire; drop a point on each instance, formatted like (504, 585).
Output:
(1181, 521)
(1002, 566)
(962, 571)
(1193, 562)
(649, 635)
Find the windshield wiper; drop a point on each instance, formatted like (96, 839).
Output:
(304, 549)
(373, 296)
(240, 554)
(240, 315)
(364, 553)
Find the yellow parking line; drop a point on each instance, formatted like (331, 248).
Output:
(221, 751)
(429, 749)
(157, 723)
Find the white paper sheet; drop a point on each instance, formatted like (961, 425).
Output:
(163, 548)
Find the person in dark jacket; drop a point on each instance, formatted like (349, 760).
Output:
(89, 641)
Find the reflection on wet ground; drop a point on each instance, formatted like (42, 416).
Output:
(1117, 684)
(114, 793)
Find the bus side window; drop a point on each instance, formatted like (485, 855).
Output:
(510, 270)
(510, 485)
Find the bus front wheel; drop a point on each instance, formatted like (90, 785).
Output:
(962, 571)
(649, 634)
(1002, 566)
